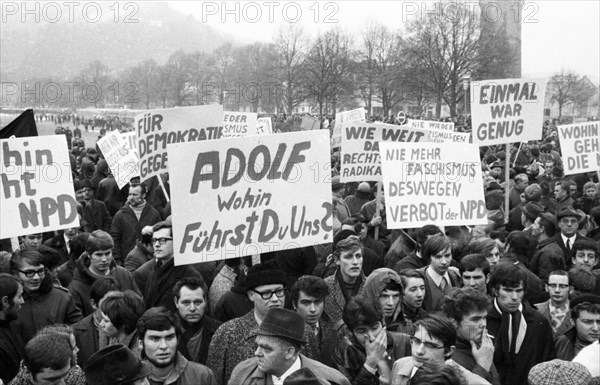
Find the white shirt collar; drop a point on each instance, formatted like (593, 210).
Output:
(564, 238)
(295, 366)
(437, 279)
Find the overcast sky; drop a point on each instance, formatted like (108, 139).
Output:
(555, 34)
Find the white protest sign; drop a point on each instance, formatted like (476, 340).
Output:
(36, 188)
(432, 183)
(250, 195)
(310, 123)
(441, 136)
(131, 139)
(264, 126)
(157, 128)
(239, 124)
(579, 144)
(357, 115)
(360, 148)
(431, 125)
(122, 161)
(507, 110)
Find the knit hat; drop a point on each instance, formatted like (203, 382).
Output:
(263, 274)
(559, 372)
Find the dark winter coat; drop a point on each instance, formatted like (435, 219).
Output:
(158, 291)
(126, 229)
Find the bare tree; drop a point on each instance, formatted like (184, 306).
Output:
(200, 66)
(145, 76)
(223, 70)
(446, 44)
(291, 46)
(325, 70)
(179, 76)
(569, 88)
(95, 82)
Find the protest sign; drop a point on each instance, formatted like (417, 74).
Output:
(441, 136)
(507, 110)
(360, 148)
(36, 188)
(131, 139)
(432, 183)
(310, 123)
(250, 195)
(122, 161)
(157, 128)
(357, 115)
(264, 126)
(580, 147)
(239, 124)
(431, 125)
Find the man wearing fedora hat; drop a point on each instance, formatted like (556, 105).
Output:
(280, 338)
(95, 213)
(568, 222)
(233, 341)
(116, 365)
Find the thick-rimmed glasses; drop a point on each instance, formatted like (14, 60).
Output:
(32, 273)
(162, 241)
(268, 294)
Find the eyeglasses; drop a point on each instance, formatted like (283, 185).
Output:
(162, 241)
(430, 345)
(32, 273)
(268, 294)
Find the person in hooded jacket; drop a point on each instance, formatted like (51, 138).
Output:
(384, 287)
(96, 262)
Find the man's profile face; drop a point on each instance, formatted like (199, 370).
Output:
(310, 308)
(476, 279)
(271, 353)
(472, 326)
(191, 304)
(559, 193)
(163, 252)
(389, 301)
(509, 298)
(160, 347)
(440, 262)
(12, 313)
(585, 258)
(588, 326)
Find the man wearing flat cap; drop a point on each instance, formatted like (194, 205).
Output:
(568, 222)
(233, 341)
(116, 365)
(279, 339)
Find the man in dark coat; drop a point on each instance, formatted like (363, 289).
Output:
(62, 243)
(530, 333)
(190, 296)
(568, 222)
(95, 214)
(45, 304)
(128, 223)
(162, 279)
(97, 262)
(11, 344)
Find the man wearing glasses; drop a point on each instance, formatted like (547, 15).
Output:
(164, 274)
(433, 342)
(45, 304)
(556, 309)
(234, 341)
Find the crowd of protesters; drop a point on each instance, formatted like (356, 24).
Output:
(512, 302)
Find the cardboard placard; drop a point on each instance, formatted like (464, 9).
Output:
(360, 148)
(264, 126)
(157, 128)
(432, 183)
(250, 195)
(36, 186)
(239, 124)
(357, 115)
(122, 161)
(507, 110)
(131, 139)
(580, 147)
(431, 125)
